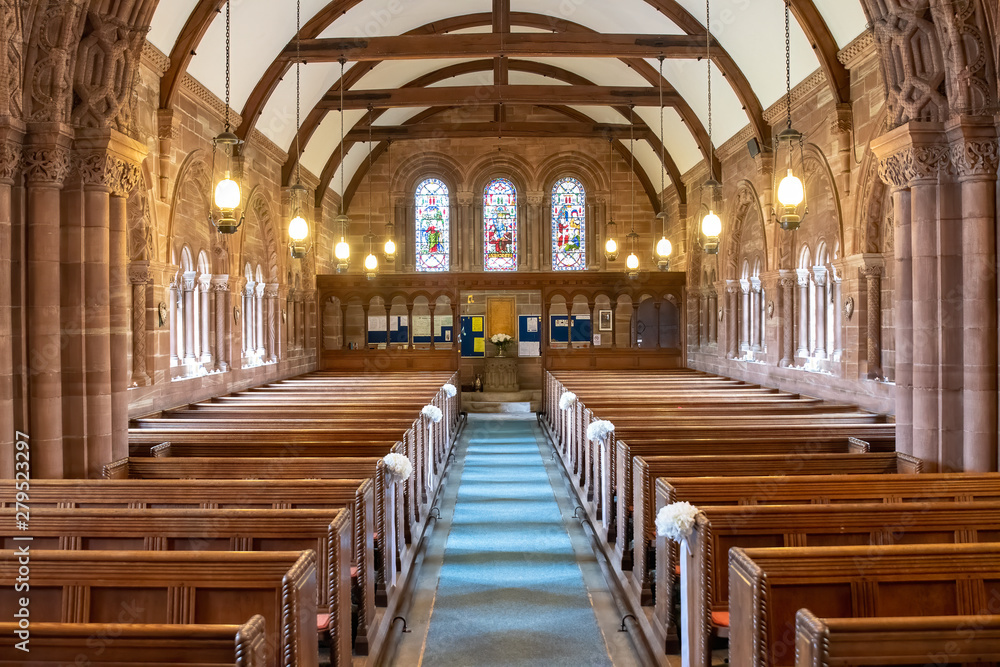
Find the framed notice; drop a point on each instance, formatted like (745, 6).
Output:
(500, 316)
(604, 320)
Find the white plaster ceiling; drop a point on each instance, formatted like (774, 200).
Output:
(751, 31)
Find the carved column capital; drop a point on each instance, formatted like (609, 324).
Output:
(188, 280)
(46, 165)
(139, 273)
(744, 286)
(787, 282)
(465, 198)
(535, 198)
(802, 277)
(204, 283)
(819, 275)
(271, 290)
(755, 284)
(220, 283)
(166, 128)
(975, 158)
(259, 290)
(843, 118)
(10, 162)
(870, 272)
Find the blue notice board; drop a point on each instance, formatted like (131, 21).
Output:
(581, 328)
(473, 336)
(529, 335)
(402, 332)
(559, 329)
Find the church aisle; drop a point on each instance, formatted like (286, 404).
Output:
(514, 581)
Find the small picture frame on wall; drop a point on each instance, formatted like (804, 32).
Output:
(236, 314)
(604, 322)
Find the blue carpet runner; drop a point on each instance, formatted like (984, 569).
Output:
(510, 592)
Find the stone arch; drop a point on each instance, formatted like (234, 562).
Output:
(580, 166)
(259, 206)
(49, 62)
(189, 204)
(746, 212)
(824, 221)
(140, 212)
(506, 165)
(415, 168)
(872, 204)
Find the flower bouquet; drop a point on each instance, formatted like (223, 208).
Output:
(502, 341)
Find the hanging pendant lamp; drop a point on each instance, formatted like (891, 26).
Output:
(632, 261)
(298, 228)
(389, 247)
(611, 229)
(711, 192)
(342, 224)
(663, 247)
(227, 175)
(371, 260)
(791, 190)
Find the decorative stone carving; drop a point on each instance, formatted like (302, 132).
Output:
(501, 374)
(55, 33)
(914, 163)
(849, 307)
(12, 39)
(47, 165)
(465, 198)
(139, 274)
(975, 158)
(10, 162)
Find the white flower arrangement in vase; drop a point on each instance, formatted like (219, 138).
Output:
(432, 412)
(449, 390)
(398, 467)
(567, 400)
(502, 341)
(676, 521)
(599, 430)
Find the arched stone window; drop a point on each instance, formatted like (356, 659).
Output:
(433, 226)
(500, 226)
(569, 225)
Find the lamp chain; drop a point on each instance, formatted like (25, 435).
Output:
(663, 149)
(298, 90)
(708, 64)
(631, 175)
(369, 175)
(228, 26)
(343, 194)
(788, 70)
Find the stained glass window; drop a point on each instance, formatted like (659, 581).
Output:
(500, 226)
(433, 226)
(569, 201)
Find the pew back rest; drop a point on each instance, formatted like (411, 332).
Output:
(142, 645)
(175, 587)
(768, 586)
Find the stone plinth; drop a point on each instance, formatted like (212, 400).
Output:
(501, 374)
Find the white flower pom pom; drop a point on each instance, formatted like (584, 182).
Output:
(500, 338)
(398, 467)
(676, 521)
(567, 400)
(449, 390)
(599, 430)
(432, 412)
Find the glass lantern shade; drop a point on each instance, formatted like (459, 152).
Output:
(611, 245)
(791, 191)
(227, 193)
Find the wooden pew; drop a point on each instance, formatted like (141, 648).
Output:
(897, 640)
(139, 645)
(645, 471)
(768, 586)
(236, 467)
(326, 531)
(151, 587)
(704, 569)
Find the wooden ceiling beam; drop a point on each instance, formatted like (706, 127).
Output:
(520, 129)
(472, 96)
(491, 45)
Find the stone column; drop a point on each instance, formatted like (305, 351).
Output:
(365, 306)
(173, 324)
(343, 324)
(819, 308)
(595, 233)
(126, 179)
(634, 343)
(204, 290)
(836, 345)
(732, 344)
(744, 315)
(139, 277)
(187, 285)
(300, 320)
(703, 317)
(873, 280)
(756, 336)
(220, 288)
(271, 321)
(10, 159)
(787, 280)
(406, 252)
(713, 317)
(46, 165)
(541, 251)
(430, 307)
(259, 315)
(462, 255)
(802, 276)
(409, 326)
(974, 156)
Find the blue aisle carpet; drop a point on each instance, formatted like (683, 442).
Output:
(510, 592)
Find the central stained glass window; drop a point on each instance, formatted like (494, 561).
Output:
(569, 211)
(500, 226)
(433, 226)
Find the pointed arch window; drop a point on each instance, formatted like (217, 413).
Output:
(569, 224)
(500, 226)
(433, 220)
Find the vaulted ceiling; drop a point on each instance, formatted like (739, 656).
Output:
(588, 60)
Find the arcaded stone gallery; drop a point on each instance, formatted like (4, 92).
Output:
(499, 332)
